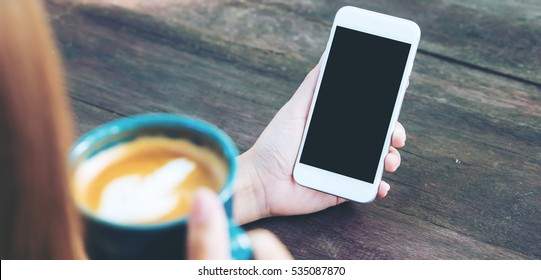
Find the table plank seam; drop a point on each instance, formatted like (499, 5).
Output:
(479, 68)
(97, 106)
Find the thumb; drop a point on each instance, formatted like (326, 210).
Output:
(208, 235)
(300, 102)
(266, 246)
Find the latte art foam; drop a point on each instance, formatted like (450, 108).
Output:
(136, 199)
(146, 181)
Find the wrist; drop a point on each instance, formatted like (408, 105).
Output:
(249, 201)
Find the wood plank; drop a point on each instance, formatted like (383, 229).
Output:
(472, 159)
(524, 99)
(475, 32)
(498, 36)
(165, 79)
(453, 176)
(379, 233)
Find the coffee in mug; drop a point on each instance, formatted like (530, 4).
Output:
(133, 178)
(148, 180)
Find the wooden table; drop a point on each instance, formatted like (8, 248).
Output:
(470, 182)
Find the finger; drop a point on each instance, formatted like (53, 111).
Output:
(392, 160)
(399, 136)
(266, 246)
(383, 189)
(208, 235)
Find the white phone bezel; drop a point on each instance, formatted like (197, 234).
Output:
(380, 25)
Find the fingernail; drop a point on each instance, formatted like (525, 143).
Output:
(200, 207)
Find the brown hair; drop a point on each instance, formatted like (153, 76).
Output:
(37, 218)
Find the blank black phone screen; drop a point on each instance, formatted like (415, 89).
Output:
(356, 98)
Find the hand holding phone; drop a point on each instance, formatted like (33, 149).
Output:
(265, 186)
(357, 100)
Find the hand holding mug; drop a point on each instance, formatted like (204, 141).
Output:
(208, 236)
(133, 180)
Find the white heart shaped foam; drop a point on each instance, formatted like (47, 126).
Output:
(135, 199)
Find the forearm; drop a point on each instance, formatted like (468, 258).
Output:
(249, 196)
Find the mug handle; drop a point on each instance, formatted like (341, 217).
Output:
(241, 245)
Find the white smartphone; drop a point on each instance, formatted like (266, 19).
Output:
(364, 75)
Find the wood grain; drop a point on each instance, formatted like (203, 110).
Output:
(469, 184)
(497, 36)
(376, 232)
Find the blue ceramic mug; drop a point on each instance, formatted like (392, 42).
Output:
(109, 240)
